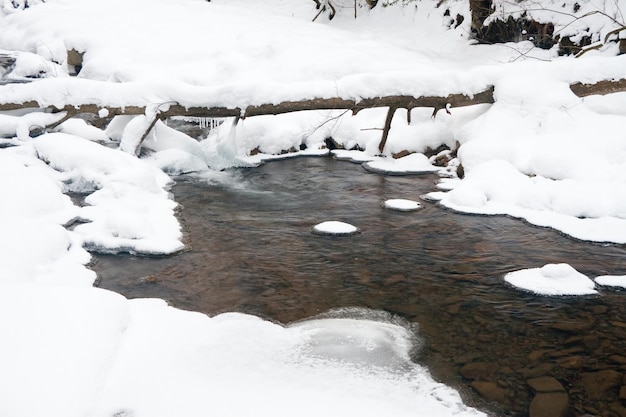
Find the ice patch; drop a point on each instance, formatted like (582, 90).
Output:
(552, 279)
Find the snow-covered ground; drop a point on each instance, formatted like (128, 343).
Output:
(539, 153)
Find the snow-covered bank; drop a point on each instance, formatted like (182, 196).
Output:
(85, 351)
(539, 153)
(75, 350)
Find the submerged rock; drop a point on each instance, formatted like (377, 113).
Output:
(550, 404)
(545, 384)
(601, 384)
(490, 390)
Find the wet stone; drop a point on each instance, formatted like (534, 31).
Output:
(545, 384)
(618, 359)
(618, 409)
(598, 309)
(598, 385)
(579, 325)
(454, 309)
(551, 404)
(571, 362)
(538, 370)
(467, 357)
(566, 352)
(475, 370)
(535, 355)
(572, 340)
(490, 391)
(591, 342)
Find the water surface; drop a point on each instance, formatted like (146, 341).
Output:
(250, 249)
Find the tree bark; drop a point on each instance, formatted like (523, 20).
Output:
(599, 88)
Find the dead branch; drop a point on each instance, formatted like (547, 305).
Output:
(386, 129)
(601, 44)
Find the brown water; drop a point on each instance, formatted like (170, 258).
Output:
(251, 250)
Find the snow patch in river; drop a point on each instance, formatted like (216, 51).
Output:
(333, 227)
(552, 279)
(618, 281)
(401, 204)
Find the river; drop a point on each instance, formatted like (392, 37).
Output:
(251, 250)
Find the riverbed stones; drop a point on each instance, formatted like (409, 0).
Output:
(475, 370)
(549, 404)
(618, 359)
(571, 362)
(600, 384)
(578, 325)
(618, 409)
(490, 390)
(539, 370)
(545, 384)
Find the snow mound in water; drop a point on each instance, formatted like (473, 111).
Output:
(552, 279)
(611, 280)
(415, 163)
(335, 228)
(401, 204)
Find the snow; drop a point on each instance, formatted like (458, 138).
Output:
(402, 204)
(128, 206)
(333, 227)
(538, 153)
(611, 280)
(552, 279)
(416, 163)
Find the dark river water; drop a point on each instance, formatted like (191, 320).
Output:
(250, 249)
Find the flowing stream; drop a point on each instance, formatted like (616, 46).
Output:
(250, 249)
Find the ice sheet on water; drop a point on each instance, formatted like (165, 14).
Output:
(357, 336)
(184, 363)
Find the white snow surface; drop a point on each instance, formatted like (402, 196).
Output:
(334, 227)
(539, 153)
(611, 281)
(402, 204)
(552, 279)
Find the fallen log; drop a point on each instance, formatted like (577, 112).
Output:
(393, 103)
(600, 88)
(334, 103)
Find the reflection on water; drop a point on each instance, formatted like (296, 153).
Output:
(251, 250)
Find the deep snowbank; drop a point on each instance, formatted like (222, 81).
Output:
(539, 153)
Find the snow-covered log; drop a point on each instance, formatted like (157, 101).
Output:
(600, 88)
